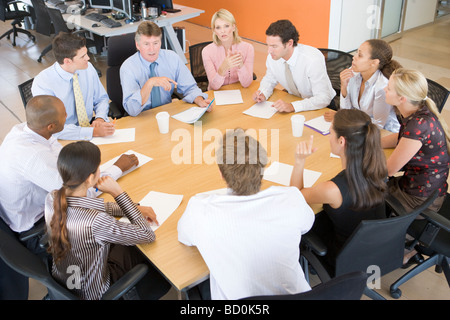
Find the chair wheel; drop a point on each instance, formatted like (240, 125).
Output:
(396, 293)
(39, 59)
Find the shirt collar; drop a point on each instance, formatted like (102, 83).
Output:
(88, 203)
(148, 63)
(37, 137)
(372, 80)
(294, 57)
(63, 73)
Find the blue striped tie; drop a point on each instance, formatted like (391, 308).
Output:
(156, 94)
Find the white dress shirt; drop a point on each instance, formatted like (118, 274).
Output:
(309, 71)
(28, 172)
(373, 100)
(250, 243)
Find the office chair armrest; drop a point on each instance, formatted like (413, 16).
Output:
(312, 242)
(436, 219)
(114, 111)
(125, 283)
(395, 205)
(37, 230)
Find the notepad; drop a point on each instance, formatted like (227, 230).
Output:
(119, 136)
(190, 115)
(225, 97)
(319, 124)
(164, 204)
(261, 110)
(143, 159)
(281, 173)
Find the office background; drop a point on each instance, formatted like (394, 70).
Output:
(424, 45)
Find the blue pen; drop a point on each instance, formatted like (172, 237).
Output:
(210, 103)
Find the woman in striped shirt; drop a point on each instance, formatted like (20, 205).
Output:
(90, 248)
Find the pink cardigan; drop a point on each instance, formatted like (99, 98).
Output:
(213, 56)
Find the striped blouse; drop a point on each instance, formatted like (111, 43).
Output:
(91, 229)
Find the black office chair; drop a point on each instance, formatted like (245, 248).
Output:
(25, 91)
(432, 238)
(119, 49)
(378, 243)
(23, 261)
(197, 67)
(348, 286)
(437, 93)
(9, 10)
(43, 24)
(336, 61)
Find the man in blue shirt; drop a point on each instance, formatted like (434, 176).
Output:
(150, 76)
(70, 74)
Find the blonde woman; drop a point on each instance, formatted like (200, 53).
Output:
(421, 146)
(228, 59)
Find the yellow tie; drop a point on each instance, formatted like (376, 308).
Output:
(83, 119)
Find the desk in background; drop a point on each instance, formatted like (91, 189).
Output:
(183, 266)
(165, 22)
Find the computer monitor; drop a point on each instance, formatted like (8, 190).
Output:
(101, 4)
(163, 4)
(124, 6)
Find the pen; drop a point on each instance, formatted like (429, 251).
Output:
(210, 103)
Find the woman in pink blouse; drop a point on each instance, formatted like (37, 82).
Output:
(228, 59)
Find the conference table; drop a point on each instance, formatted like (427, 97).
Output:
(182, 165)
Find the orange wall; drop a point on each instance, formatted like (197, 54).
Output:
(311, 17)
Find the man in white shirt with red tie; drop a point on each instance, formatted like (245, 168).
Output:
(299, 68)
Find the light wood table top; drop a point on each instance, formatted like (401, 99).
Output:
(183, 266)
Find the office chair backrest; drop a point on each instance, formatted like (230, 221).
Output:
(25, 91)
(348, 286)
(378, 243)
(58, 21)
(119, 49)
(196, 61)
(23, 261)
(43, 21)
(336, 61)
(437, 93)
(3, 6)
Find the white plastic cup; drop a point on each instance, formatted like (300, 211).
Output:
(297, 121)
(163, 121)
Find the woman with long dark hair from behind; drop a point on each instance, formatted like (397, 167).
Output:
(358, 191)
(85, 238)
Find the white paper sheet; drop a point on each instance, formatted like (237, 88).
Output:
(143, 159)
(281, 173)
(190, 115)
(225, 97)
(120, 135)
(164, 204)
(319, 124)
(261, 110)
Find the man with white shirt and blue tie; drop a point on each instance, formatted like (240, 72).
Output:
(299, 68)
(150, 76)
(74, 80)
